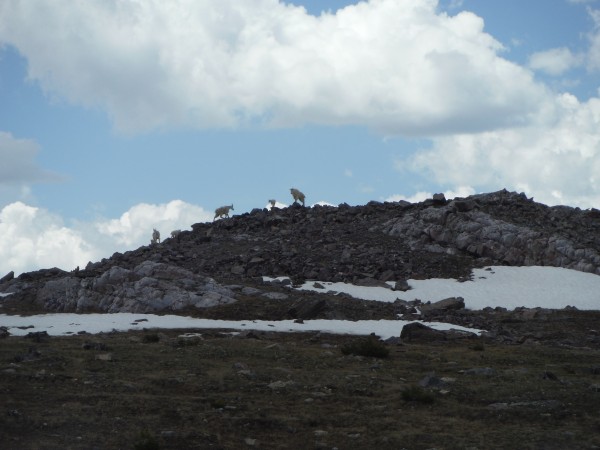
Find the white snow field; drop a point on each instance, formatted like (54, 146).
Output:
(508, 287)
(63, 324)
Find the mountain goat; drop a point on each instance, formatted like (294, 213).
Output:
(272, 202)
(175, 233)
(155, 236)
(223, 211)
(298, 196)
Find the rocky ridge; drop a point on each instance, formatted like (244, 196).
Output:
(217, 263)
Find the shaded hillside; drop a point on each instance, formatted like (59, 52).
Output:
(366, 244)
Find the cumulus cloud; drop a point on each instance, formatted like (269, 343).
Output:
(556, 160)
(555, 61)
(33, 238)
(134, 227)
(398, 66)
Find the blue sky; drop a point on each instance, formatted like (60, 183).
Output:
(119, 117)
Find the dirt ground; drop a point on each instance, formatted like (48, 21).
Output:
(196, 389)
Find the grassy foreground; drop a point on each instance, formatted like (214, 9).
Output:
(159, 390)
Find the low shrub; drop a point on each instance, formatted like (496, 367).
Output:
(145, 441)
(369, 346)
(417, 394)
(151, 338)
(478, 347)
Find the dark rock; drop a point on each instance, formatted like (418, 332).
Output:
(439, 198)
(37, 336)
(308, 309)
(402, 285)
(432, 381)
(9, 276)
(417, 332)
(481, 371)
(464, 205)
(547, 375)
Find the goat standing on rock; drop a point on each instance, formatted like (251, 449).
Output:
(223, 211)
(155, 236)
(297, 195)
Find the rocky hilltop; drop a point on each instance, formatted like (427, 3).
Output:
(220, 262)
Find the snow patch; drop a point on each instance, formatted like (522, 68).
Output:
(508, 287)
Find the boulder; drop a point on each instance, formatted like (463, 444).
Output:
(9, 276)
(416, 332)
(448, 304)
(464, 205)
(371, 282)
(402, 285)
(439, 198)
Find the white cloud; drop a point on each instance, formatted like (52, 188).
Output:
(398, 66)
(324, 203)
(33, 238)
(555, 61)
(415, 198)
(556, 160)
(134, 227)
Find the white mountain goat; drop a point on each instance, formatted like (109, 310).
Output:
(272, 202)
(155, 236)
(298, 196)
(175, 233)
(223, 211)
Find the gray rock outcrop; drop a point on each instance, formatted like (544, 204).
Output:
(465, 227)
(148, 287)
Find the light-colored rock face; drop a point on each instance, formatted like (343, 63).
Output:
(447, 229)
(149, 287)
